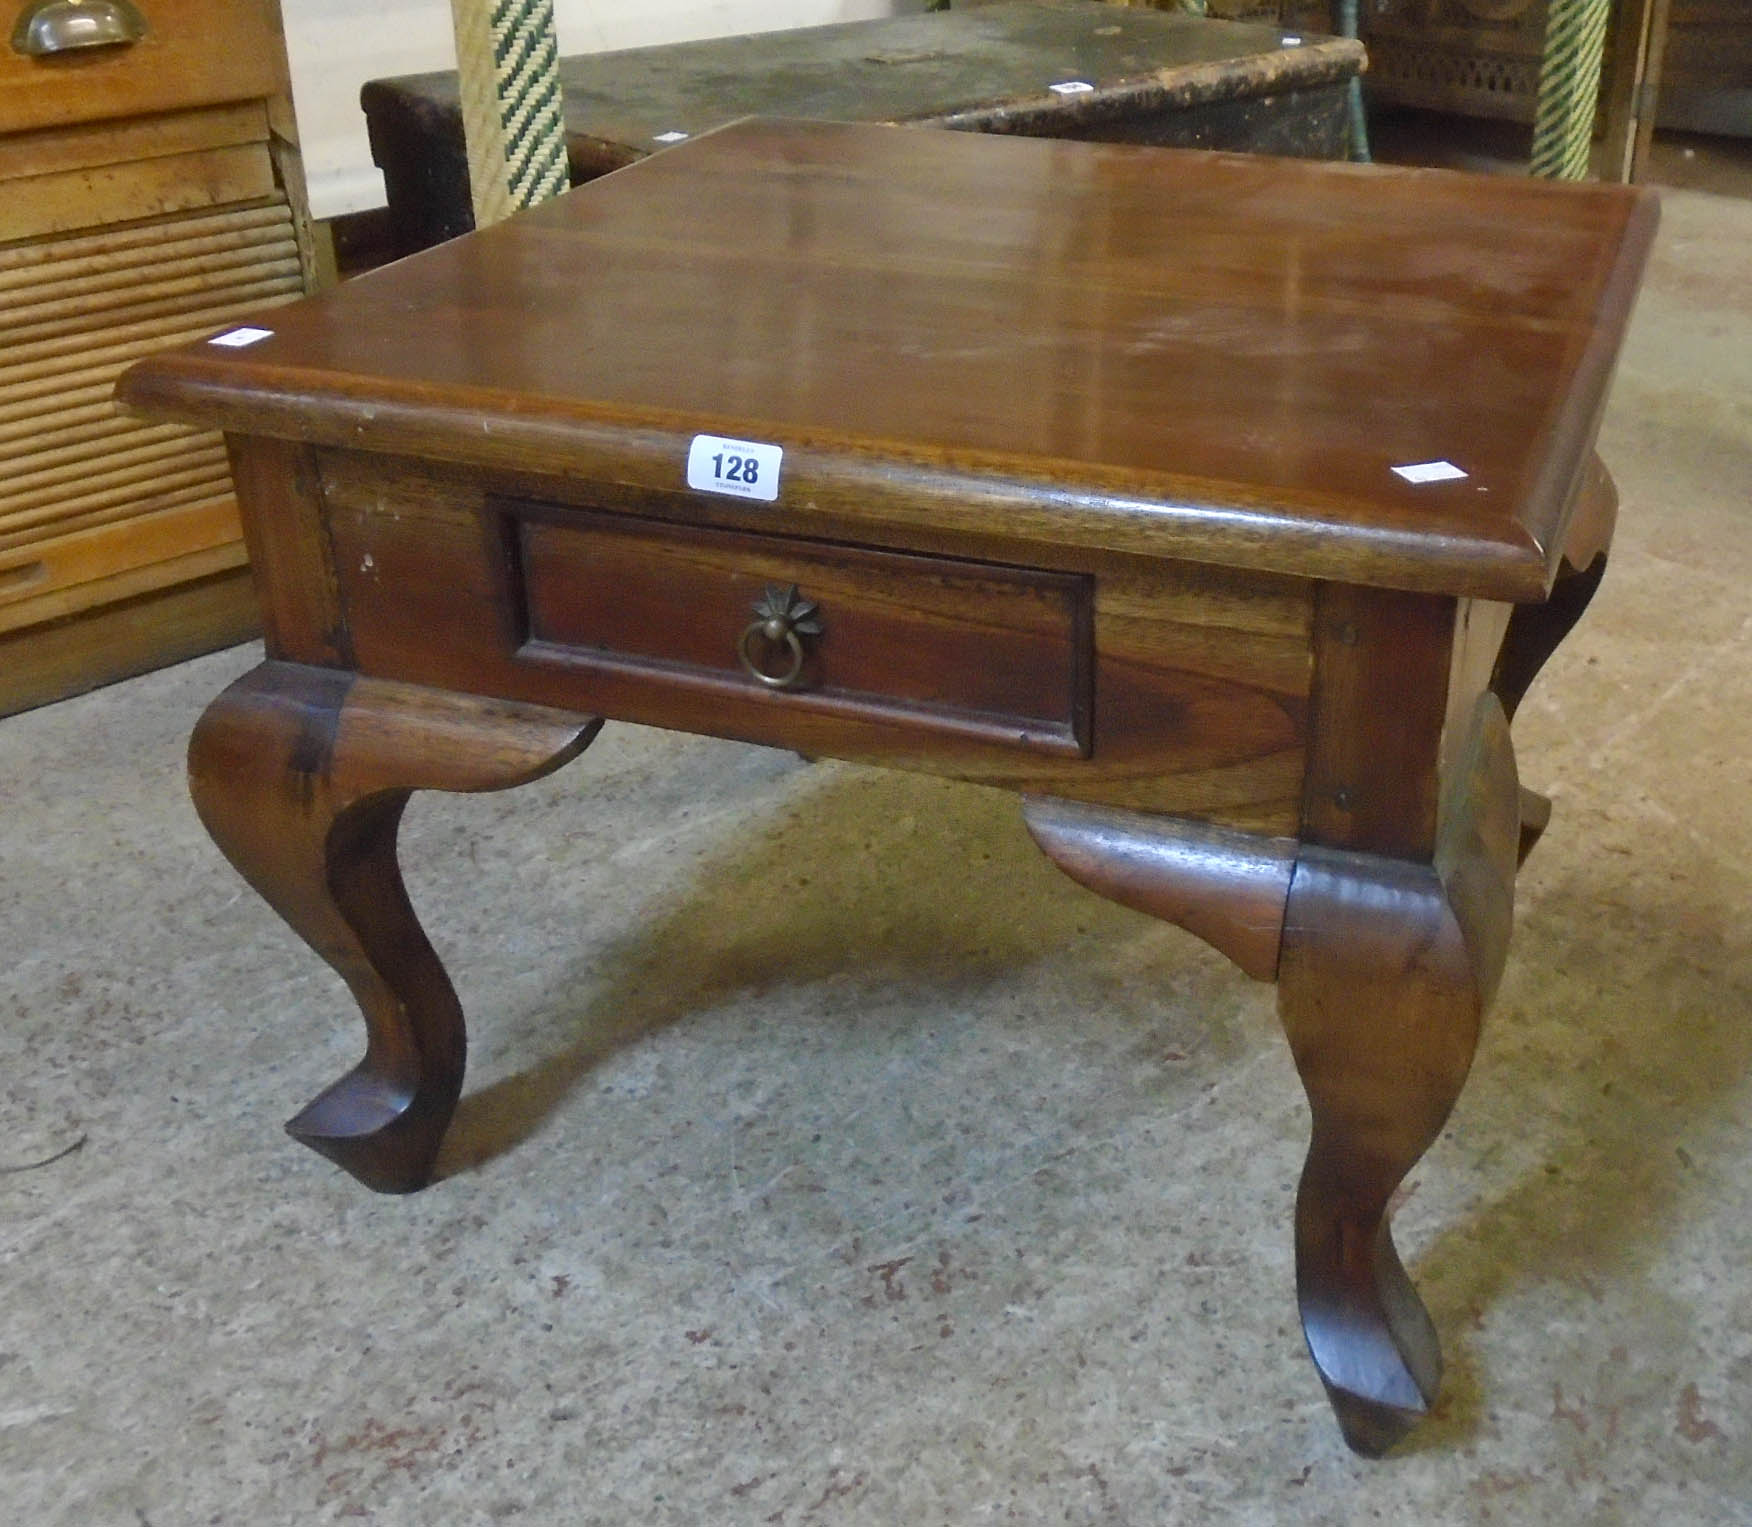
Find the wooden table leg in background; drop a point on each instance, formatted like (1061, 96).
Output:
(301, 775)
(1535, 631)
(1639, 49)
(1538, 630)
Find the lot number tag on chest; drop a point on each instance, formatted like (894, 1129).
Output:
(741, 468)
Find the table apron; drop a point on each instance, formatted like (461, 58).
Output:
(1163, 686)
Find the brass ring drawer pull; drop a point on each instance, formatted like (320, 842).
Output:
(782, 618)
(63, 26)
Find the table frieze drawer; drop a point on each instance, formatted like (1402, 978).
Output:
(989, 652)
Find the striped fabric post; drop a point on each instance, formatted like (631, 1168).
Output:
(1345, 21)
(1569, 88)
(509, 67)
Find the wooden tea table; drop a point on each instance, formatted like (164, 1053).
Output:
(1222, 507)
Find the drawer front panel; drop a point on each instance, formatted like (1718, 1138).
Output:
(1199, 676)
(194, 53)
(996, 652)
(78, 201)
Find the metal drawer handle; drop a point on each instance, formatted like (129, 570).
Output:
(60, 26)
(781, 619)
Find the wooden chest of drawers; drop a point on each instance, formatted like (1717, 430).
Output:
(149, 193)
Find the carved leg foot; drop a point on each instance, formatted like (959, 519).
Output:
(301, 775)
(1386, 970)
(1382, 1044)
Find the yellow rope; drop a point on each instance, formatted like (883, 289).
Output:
(1569, 88)
(508, 66)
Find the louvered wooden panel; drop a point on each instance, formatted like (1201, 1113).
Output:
(42, 260)
(94, 504)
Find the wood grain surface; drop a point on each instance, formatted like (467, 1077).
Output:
(301, 775)
(1228, 888)
(1219, 357)
(974, 647)
(1384, 976)
(1200, 676)
(1382, 665)
(194, 53)
(284, 528)
(125, 635)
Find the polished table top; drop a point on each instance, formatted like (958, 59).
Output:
(1217, 357)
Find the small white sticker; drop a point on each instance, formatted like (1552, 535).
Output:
(1071, 87)
(236, 339)
(1430, 471)
(741, 468)
(674, 135)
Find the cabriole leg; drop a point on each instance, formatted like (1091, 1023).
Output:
(1537, 630)
(1382, 1035)
(301, 775)
(1386, 970)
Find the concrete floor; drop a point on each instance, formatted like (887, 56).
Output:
(830, 1159)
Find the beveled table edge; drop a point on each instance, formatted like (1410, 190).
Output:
(1057, 502)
